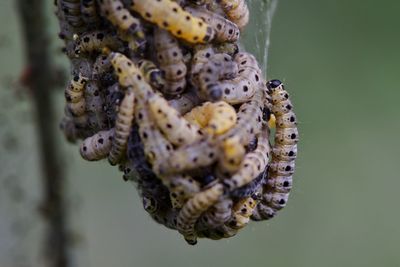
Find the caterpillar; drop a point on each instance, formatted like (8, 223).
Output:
(201, 56)
(225, 30)
(276, 191)
(253, 163)
(98, 146)
(176, 128)
(89, 12)
(170, 59)
(130, 27)
(182, 188)
(74, 95)
(185, 102)
(200, 154)
(123, 124)
(237, 11)
(219, 66)
(213, 118)
(168, 15)
(95, 41)
(216, 216)
(243, 86)
(252, 187)
(101, 67)
(193, 209)
(71, 11)
(152, 74)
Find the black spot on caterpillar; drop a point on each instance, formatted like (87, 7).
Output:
(168, 15)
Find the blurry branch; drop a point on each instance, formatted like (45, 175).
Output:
(37, 50)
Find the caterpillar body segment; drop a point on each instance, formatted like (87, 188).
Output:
(98, 146)
(215, 216)
(129, 75)
(95, 42)
(218, 67)
(152, 74)
(131, 29)
(277, 189)
(170, 58)
(231, 157)
(71, 11)
(252, 187)
(169, 15)
(254, 163)
(225, 30)
(244, 85)
(182, 188)
(197, 155)
(193, 209)
(97, 120)
(214, 118)
(176, 128)
(186, 102)
(89, 12)
(201, 56)
(237, 11)
(76, 104)
(123, 125)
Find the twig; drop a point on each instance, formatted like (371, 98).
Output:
(34, 26)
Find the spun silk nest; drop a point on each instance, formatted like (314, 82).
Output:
(161, 89)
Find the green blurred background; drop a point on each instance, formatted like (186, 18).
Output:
(340, 61)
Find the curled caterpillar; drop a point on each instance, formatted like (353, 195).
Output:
(225, 30)
(254, 163)
(95, 42)
(237, 11)
(213, 118)
(170, 59)
(168, 15)
(219, 66)
(193, 209)
(123, 125)
(216, 216)
(130, 27)
(98, 146)
(176, 128)
(151, 73)
(243, 86)
(89, 12)
(276, 191)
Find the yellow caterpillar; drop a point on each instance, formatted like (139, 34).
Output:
(170, 59)
(123, 124)
(95, 41)
(130, 27)
(176, 128)
(219, 66)
(76, 104)
(233, 152)
(243, 86)
(225, 30)
(253, 163)
(193, 209)
(98, 146)
(237, 11)
(168, 15)
(276, 191)
(151, 73)
(213, 118)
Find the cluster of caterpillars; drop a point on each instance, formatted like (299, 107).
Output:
(162, 89)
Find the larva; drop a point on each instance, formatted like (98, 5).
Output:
(74, 95)
(130, 27)
(225, 30)
(216, 216)
(193, 209)
(185, 102)
(98, 146)
(252, 187)
(276, 191)
(95, 41)
(97, 120)
(170, 16)
(253, 163)
(170, 59)
(243, 86)
(182, 188)
(237, 11)
(213, 118)
(89, 12)
(71, 10)
(152, 74)
(219, 66)
(123, 126)
(199, 154)
(201, 56)
(176, 128)
(233, 152)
